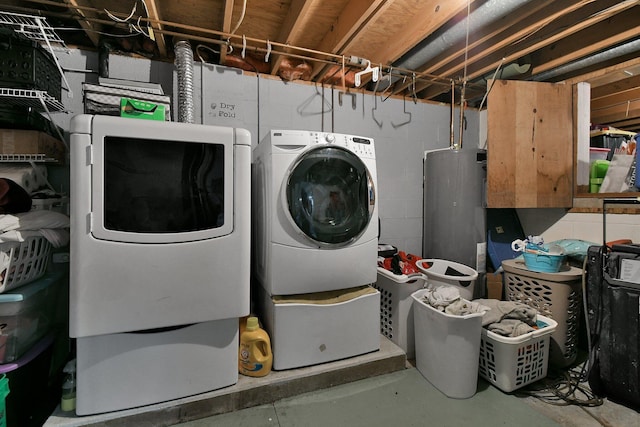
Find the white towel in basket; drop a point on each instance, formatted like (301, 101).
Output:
(33, 220)
(58, 237)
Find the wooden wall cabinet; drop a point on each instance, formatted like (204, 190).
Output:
(530, 154)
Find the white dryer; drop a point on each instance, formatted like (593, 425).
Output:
(315, 212)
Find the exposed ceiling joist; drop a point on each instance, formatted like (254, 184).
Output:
(155, 17)
(541, 40)
(293, 26)
(91, 33)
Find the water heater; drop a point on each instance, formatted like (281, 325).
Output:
(454, 212)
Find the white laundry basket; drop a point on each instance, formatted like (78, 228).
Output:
(447, 348)
(396, 307)
(442, 272)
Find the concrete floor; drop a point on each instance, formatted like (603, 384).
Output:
(375, 389)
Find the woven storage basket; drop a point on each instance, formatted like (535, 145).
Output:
(555, 295)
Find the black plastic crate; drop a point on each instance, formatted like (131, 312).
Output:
(26, 65)
(608, 141)
(26, 118)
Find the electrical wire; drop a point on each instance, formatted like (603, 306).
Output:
(570, 387)
(563, 388)
(244, 9)
(134, 27)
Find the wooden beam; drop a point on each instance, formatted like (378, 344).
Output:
(154, 16)
(88, 27)
(563, 26)
(594, 76)
(620, 86)
(543, 32)
(293, 27)
(416, 27)
(590, 40)
(627, 110)
(495, 37)
(632, 124)
(356, 14)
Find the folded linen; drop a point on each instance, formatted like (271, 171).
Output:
(508, 318)
(510, 328)
(499, 310)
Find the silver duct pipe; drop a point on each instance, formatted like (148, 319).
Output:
(625, 49)
(485, 14)
(184, 66)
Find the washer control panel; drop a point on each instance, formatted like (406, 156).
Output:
(361, 146)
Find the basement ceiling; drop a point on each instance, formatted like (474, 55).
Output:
(433, 50)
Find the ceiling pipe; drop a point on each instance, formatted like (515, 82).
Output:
(611, 53)
(489, 12)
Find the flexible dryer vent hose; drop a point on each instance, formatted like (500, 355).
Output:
(184, 66)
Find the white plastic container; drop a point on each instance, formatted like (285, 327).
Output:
(447, 348)
(441, 272)
(310, 329)
(396, 307)
(510, 363)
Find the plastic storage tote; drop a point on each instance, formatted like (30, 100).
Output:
(510, 363)
(441, 272)
(447, 348)
(27, 314)
(32, 394)
(396, 307)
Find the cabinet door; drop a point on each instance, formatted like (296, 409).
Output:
(529, 145)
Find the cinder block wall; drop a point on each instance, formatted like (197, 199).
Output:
(402, 131)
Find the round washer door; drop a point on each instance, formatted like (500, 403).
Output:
(330, 195)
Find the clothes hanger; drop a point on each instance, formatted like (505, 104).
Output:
(375, 104)
(308, 101)
(374, 73)
(404, 103)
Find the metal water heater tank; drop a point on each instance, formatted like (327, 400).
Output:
(454, 213)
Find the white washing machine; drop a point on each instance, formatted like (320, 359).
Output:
(315, 212)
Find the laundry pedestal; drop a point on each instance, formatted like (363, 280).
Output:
(127, 370)
(309, 329)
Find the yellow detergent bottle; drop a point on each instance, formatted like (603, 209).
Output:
(254, 355)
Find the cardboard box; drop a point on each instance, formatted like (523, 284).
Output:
(28, 143)
(494, 286)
